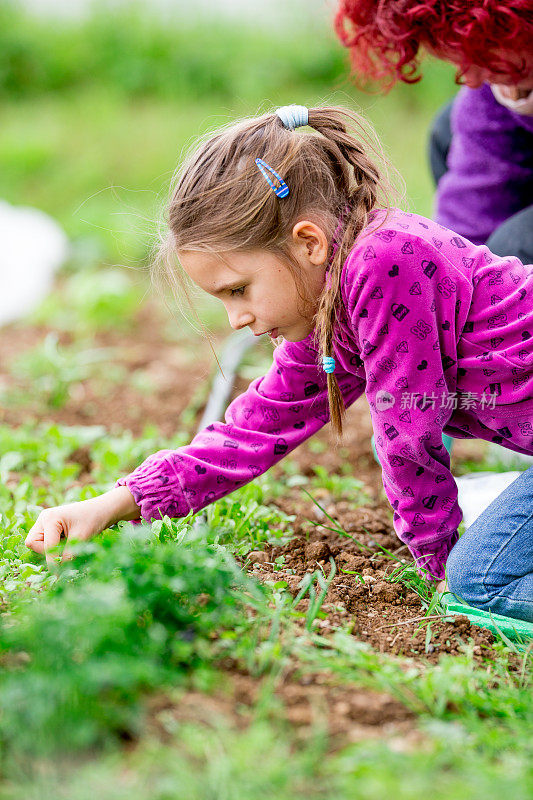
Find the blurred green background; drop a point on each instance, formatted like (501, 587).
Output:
(97, 106)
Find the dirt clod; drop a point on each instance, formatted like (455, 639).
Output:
(258, 557)
(317, 551)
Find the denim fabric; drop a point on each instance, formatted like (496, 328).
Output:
(491, 566)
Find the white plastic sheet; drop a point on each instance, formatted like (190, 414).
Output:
(32, 247)
(478, 490)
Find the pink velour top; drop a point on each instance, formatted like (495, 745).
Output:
(436, 331)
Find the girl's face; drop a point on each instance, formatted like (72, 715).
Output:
(259, 290)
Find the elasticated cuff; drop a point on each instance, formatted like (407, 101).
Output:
(155, 488)
(431, 558)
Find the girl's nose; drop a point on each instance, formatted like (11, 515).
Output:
(240, 319)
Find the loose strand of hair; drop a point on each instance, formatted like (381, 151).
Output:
(166, 278)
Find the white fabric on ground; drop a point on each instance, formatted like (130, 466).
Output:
(478, 489)
(33, 247)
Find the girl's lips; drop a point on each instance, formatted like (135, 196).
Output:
(274, 333)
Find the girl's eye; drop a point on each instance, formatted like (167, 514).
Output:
(239, 290)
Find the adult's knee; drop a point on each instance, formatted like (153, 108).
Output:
(514, 237)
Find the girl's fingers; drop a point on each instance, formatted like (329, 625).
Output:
(52, 529)
(75, 521)
(35, 538)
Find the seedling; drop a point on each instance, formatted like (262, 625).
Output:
(315, 601)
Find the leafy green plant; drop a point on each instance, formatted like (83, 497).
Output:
(245, 521)
(129, 613)
(53, 370)
(93, 299)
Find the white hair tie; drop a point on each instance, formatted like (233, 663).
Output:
(293, 116)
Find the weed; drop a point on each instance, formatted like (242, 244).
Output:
(316, 599)
(244, 521)
(52, 371)
(126, 615)
(340, 485)
(93, 299)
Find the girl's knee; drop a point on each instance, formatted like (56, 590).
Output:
(455, 573)
(463, 578)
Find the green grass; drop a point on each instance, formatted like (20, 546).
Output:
(155, 609)
(218, 761)
(96, 113)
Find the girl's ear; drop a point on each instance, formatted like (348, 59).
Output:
(311, 242)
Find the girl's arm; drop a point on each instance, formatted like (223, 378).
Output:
(276, 414)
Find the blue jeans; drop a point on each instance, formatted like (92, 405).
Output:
(491, 566)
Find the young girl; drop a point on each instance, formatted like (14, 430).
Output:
(285, 227)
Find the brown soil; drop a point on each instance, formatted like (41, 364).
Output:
(349, 714)
(359, 599)
(176, 369)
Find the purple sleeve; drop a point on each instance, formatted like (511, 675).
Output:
(490, 167)
(276, 413)
(404, 313)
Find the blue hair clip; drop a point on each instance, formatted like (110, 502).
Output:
(280, 191)
(328, 364)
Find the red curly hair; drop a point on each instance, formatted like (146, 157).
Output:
(385, 37)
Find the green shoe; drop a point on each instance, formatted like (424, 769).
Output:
(517, 630)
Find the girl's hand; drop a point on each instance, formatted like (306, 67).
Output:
(442, 587)
(80, 521)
